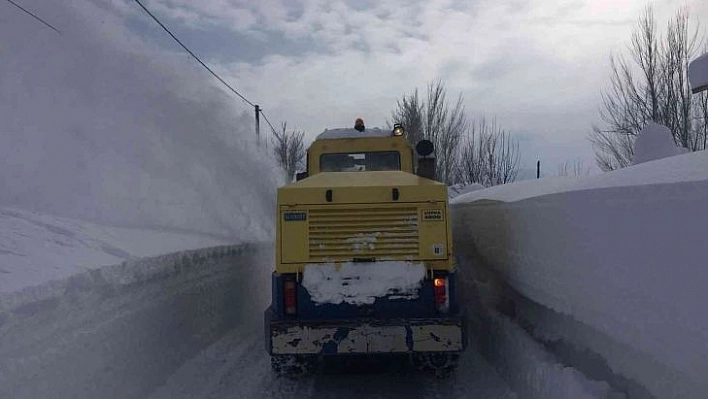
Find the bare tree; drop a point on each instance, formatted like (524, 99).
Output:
(489, 156)
(409, 113)
(289, 149)
(573, 169)
(436, 120)
(659, 92)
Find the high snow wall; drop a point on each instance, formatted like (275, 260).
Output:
(100, 125)
(622, 254)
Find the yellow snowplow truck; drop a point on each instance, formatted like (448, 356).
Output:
(364, 261)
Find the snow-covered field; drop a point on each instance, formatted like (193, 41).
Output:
(622, 254)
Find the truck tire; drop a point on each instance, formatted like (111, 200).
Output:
(440, 363)
(292, 365)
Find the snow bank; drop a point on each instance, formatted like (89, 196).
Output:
(362, 283)
(654, 142)
(684, 168)
(36, 248)
(98, 125)
(529, 368)
(110, 278)
(526, 365)
(121, 331)
(101, 126)
(698, 73)
(623, 253)
(458, 189)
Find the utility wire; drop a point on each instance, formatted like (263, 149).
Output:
(267, 121)
(194, 55)
(34, 16)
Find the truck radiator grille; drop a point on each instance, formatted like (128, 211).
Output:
(345, 234)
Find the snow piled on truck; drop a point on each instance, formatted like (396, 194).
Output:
(360, 283)
(348, 133)
(622, 254)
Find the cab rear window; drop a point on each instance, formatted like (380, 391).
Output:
(360, 161)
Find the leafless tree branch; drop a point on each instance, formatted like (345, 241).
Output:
(289, 150)
(652, 85)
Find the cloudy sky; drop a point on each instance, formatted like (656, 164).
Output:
(538, 66)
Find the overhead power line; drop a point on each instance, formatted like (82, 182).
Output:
(193, 55)
(34, 16)
(268, 122)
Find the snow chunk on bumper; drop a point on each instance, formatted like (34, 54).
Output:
(361, 283)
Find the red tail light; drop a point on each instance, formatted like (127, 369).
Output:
(290, 297)
(442, 304)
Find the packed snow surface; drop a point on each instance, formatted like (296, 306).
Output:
(622, 253)
(361, 283)
(698, 73)
(654, 142)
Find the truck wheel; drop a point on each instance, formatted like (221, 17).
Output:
(440, 363)
(292, 365)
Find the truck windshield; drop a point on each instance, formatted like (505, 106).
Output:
(360, 161)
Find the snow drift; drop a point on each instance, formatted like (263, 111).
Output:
(654, 142)
(621, 253)
(456, 190)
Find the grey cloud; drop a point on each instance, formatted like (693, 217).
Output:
(539, 76)
(360, 5)
(492, 69)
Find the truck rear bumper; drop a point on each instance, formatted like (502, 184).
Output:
(295, 337)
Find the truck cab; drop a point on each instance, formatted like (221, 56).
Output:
(364, 261)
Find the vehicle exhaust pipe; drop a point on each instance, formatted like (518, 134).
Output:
(426, 164)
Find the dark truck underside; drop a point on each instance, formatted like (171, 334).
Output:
(388, 326)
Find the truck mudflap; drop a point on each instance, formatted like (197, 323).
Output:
(361, 336)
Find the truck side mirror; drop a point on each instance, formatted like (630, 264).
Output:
(424, 148)
(301, 175)
(426, 166)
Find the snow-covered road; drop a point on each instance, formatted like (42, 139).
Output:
(193, 332)
(237, 366)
